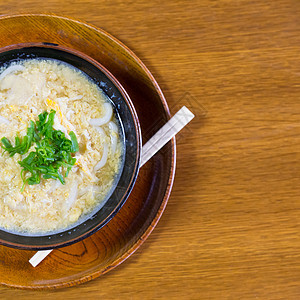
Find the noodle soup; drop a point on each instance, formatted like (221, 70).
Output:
(28, 89)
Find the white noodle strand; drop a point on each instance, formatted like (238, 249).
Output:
(113, 126)
(11, 69)
(106, 118)
(54, 186)
(72, 196)
(69, 113)
(4, 120)
(113, 136)
(103, 159)
(100, 131)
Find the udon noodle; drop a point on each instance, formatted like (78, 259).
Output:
(27, 89)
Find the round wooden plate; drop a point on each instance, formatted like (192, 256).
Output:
(116, 241)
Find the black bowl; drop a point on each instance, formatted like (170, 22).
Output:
(131, 139)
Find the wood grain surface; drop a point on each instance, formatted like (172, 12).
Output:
(231, 227)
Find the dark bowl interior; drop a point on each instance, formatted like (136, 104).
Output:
(131, 139)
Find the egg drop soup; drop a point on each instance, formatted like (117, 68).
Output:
(29, 88)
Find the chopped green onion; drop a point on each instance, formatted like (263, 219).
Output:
(53, 151)
(75, 146)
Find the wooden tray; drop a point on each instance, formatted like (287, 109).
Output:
(116, 241)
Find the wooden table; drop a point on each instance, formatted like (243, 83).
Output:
(231, 227)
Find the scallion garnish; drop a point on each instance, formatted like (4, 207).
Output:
(52, 157)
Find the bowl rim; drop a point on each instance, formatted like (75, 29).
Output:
(129, 187)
